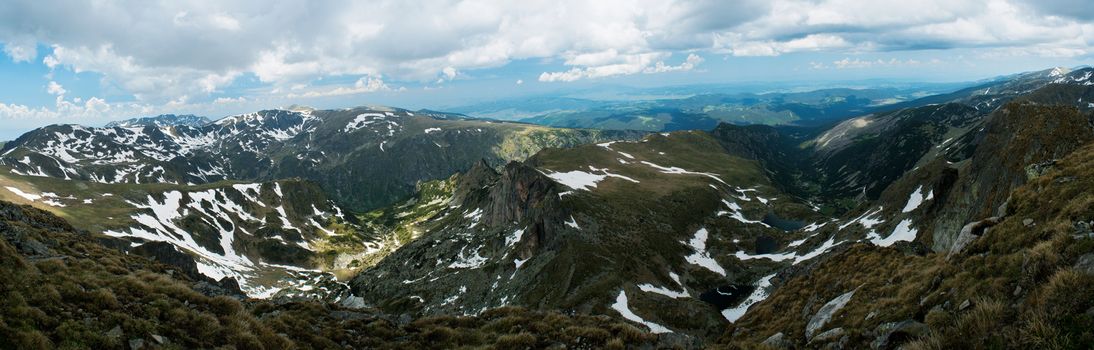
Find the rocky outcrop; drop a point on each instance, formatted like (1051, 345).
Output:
(971, 232)
(1019, 140)
(168, 254)
(524, 194)
(480, 176)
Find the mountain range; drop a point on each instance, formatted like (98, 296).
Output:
(830, 219)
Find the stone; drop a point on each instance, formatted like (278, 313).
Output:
(1017, 290)
(1085, 264)
(352, 302)
(1083, 229)
(136, 343)
(964, 305)
(1027, 222)
(159, 339)
(1039, 169)
(114, 333)
(830, 335)
(890, 335)
(778, 341)
(33, 247)
(826, 312)
(971, 232)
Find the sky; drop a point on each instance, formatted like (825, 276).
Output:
(90, 62)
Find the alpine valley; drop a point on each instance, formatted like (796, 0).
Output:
(837, 218)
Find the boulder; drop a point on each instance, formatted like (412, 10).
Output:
(1085, 264)
(1083, 229)
(890, 335)
(831, 335)
(778, 341)
(826, 312)
(971, 232)
(114, 333)
(352, 302)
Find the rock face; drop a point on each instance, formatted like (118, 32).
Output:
(1016, 136)
(484, 210)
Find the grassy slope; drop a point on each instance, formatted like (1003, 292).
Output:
(1019, 279)
(75, 298)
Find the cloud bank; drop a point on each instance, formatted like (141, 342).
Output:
(173, 52)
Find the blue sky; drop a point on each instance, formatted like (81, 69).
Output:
(90, 62)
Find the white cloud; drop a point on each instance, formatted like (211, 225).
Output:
(689, 64)
(227, 100)
(859, 63)
(812, 42)
(364, 85)
(55, 89)
(21, 50)
(449, 73)
(613, 64)
(160, 51)
(148, 83)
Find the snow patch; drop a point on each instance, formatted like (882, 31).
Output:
(735, 313)
(28, 196)
(904, 232)
(581, 180)
(621, 306)
(675, 170)
(649, 288)
(916, 199)
(572, 223)
(700, 256)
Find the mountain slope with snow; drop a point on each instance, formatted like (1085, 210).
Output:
(349, 152)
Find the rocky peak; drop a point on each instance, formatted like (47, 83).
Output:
(478, 177)
(522, 192)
